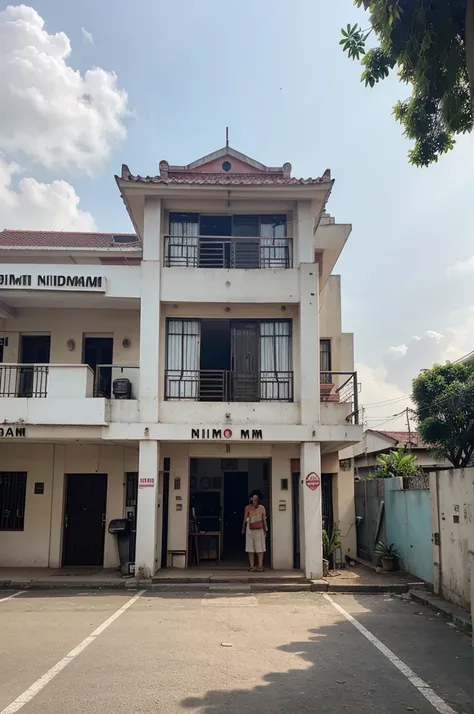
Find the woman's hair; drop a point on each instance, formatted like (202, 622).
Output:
(257, 493)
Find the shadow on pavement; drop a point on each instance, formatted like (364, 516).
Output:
(340, 670)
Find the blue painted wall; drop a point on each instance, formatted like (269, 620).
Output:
(408, 526)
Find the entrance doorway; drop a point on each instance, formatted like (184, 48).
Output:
(99, 351)
(84, 520)
(34, 349)
(236, 493)
(219, 491)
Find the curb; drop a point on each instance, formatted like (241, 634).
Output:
(45, 585)
(451, 613)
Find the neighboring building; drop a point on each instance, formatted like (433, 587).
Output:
(212, 315)
(375, 442)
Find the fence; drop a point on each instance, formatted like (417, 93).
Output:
(388, 512)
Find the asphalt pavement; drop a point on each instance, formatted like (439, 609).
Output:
(63, 652)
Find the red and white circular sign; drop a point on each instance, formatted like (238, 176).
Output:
(313, 481)
(227, 433)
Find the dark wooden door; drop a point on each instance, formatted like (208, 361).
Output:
(99, 351)
(245, 361)
(327, 503)
(295, 488)
(34, 349)
(236, 497)
(84, 521)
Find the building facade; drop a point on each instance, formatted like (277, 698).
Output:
(165, 375)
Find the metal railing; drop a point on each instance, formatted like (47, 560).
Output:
(118, 381)
(227, 252)
(24, 380)
(341, 387)
(220, 385)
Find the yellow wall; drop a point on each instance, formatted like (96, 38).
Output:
(40, 543)
(64, 325)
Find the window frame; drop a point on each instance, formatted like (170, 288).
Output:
(17, 501)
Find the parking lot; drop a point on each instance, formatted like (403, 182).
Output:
(63, 651)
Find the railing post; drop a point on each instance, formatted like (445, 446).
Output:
(356, 399)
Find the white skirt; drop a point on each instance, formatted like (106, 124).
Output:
(255, 540)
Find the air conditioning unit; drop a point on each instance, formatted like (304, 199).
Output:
(122, 388)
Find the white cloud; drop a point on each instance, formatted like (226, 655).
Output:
(386, 388)
(381, 399)
(40, 206)
(51, 113)
(462, 267)
(87, 36)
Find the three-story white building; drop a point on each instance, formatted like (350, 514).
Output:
(167, 374)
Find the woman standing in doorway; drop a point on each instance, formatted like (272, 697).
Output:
(255, 529)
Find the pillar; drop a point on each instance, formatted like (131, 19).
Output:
(312, 512)
(309, 344)
(146, 562)
(149, 389)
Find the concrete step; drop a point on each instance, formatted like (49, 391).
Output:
(235, 587)
(228, 579)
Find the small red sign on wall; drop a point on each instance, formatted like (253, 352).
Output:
(313, 481)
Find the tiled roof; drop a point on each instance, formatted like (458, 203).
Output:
(404, 437)
(236, 179)
(64, 239)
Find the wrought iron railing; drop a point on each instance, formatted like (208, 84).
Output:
(341, 387)
(24, 380)
(227, 252)
(118, 381)
(220, 385)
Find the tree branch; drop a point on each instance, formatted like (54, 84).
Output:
(469, 43)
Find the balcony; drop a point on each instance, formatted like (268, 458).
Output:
(339, 394)
(213, 252)
(220, 385)
(68, 394)
(49, 394)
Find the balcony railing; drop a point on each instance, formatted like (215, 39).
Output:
(220, 385)
(116, 381)
(341, 387)
(227, 252)
(24, 380)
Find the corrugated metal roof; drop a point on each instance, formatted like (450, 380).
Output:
(404, 437)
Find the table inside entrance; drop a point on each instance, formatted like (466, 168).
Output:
(195, 543)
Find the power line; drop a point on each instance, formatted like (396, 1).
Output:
(388, 401)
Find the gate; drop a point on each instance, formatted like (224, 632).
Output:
(370, 514)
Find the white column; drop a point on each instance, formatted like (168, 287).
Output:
(312, 513)
(147, 509)
(305, 220)
(149, 388)
(309, 344)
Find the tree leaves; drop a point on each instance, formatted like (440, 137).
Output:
(444, 396)
(353, 41)
(426, 41)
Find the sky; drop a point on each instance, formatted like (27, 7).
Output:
(85, 87)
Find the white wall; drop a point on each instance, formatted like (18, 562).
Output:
(453, 519)
(230, 286)
(40, 543)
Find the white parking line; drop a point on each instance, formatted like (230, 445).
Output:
(41, 683)
(9, 597)
(424, 689)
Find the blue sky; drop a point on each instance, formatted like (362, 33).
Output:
(274, 73)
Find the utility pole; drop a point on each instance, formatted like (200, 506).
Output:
(407, 410)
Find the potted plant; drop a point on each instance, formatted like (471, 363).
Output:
(330, 544)
(386, 554)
